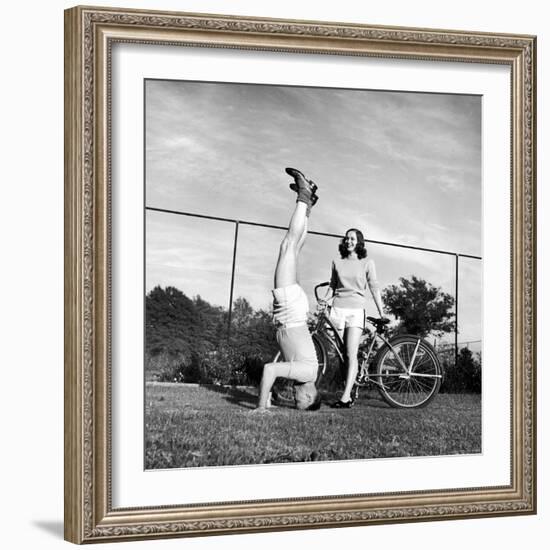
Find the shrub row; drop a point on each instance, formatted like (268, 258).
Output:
(219, 366)
(465, 376)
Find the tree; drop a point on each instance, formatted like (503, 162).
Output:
(252, 333)
(186, 339)
(242, 313)
(420, 307)
(180, 325)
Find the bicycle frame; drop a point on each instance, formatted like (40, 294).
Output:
(364, 376)
(332, 336)
(405, 368)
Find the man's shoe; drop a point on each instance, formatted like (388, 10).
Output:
(312, 185)
(301, 182)
(310, 204)
(295, 173)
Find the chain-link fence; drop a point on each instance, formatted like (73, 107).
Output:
(226, 259)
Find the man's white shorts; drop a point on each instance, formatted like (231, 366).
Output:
(290, 306)
(290, 309)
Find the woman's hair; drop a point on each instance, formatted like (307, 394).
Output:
(360, 248)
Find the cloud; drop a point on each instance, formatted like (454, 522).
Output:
(405, 167)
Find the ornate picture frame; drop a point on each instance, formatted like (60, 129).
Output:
(90, 34)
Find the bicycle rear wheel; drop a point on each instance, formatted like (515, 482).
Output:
(416, 384)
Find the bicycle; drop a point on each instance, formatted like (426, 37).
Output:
(405, 369)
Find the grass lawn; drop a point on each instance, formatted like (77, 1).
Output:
(189, 425)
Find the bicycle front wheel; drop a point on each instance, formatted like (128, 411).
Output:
(407, 372)
(321, 358)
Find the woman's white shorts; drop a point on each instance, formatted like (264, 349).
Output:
(344, 317)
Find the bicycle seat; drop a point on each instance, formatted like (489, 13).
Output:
(379, 323)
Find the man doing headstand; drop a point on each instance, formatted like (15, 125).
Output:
(290, 309)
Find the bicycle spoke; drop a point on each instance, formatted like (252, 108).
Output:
(426, 362)
(423, 389)
(417, 385)
(406, 357)
(423, 384)
(398, 359)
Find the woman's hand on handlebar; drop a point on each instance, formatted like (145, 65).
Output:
(316, 291)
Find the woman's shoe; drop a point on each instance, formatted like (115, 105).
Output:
(343, 404)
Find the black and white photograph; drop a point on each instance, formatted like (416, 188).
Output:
(274, 275)
(313, 277)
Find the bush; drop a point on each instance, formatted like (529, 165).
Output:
(465, 377)
(223, 365)
(164, 366)
(187, 340)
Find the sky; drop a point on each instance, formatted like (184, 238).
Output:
(403, 167)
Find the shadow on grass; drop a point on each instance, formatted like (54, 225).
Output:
(374, 403)
(247, 399)
(368, 398)
(234, 395)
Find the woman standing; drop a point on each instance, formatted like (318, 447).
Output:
(351, 274)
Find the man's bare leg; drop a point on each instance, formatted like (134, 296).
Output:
(285, 271)
(285, 275)
(299, 246)
(271, 372)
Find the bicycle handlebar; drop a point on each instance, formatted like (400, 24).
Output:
(326, 283)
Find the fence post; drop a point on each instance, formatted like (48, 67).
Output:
(456, 310)
(232, 278)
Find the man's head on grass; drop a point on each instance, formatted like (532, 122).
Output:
(306, 397)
